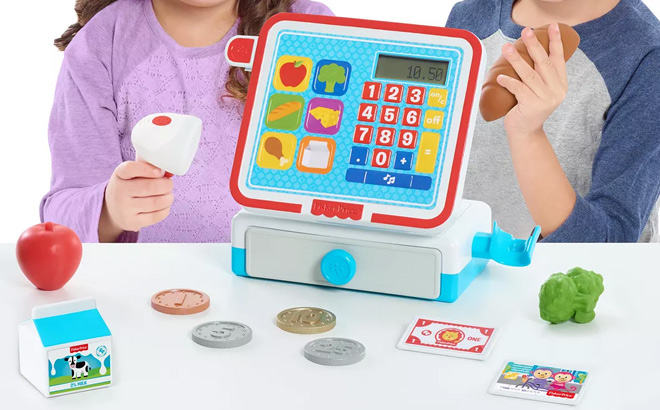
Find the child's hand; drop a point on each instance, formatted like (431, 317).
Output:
(543, 87)
(138, 195)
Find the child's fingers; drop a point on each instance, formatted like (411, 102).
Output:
(146, 187)
(152, 203)
(542, 62)
(137, 169)
(516, 87)
(527, 74)
(557, 50)
(152, 218)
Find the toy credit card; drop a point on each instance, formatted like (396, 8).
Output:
(540, 382)
(449, 339)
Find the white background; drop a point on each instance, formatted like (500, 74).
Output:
(28, 70)
(158, 367)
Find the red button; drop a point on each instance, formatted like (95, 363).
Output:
(381, 158)
(389, 115)
(240, 50)
(416, 95)
(393, 93)
(367, 112)
(162, 120)
(385, 136)
(363, 134)
(371, 91)
(408, 139)
(412, 117)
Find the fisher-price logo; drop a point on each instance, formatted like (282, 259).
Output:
(79, 348)
(556, 393)
(339, 209)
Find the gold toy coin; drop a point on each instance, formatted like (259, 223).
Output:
(180, 301)
(306, 320)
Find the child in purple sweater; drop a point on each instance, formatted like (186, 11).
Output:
(131, 58)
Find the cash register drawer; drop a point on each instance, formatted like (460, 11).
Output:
(380, 267)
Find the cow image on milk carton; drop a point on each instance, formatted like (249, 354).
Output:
(65, 348)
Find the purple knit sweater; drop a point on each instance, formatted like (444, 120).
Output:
(119, 68)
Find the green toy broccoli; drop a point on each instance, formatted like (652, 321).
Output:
(332, 74)
(573, 295)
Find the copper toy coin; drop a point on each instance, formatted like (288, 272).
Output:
(180, 301)
(306, 320)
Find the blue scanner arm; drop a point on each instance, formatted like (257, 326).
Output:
(503, 248)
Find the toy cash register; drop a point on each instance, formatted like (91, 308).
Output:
(352, 155)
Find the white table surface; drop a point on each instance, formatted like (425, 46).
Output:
(157, 366)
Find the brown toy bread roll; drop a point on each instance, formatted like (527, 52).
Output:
(497, 101)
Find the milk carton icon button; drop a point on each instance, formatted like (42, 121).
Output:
(316, 155)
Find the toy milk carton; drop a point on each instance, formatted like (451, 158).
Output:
(66, 348)
(352, 156)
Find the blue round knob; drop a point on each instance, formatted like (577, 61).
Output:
(338, 267)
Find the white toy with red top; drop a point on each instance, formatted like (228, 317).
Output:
(168, 141)
(352, 156)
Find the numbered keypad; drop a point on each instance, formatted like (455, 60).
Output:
(388, 135)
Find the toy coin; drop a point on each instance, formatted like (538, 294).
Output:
(180, 301)
(334, 351)
(222, 335)
(306, 320)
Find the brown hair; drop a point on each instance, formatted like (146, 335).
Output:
(252, 14)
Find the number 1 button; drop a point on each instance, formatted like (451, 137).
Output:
(371, 91)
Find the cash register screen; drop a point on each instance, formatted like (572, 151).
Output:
(412, 69)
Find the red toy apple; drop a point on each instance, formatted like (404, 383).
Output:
(49, 255)
(292, 74)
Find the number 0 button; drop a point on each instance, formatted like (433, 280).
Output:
(381, 158)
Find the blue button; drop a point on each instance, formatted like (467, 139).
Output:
(403, 160)
(338, 267)
(388, 179)
(421, 182)
(356, 175)
(359, 156)
(331, 77)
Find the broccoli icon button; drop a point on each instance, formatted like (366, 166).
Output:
(331, 77)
